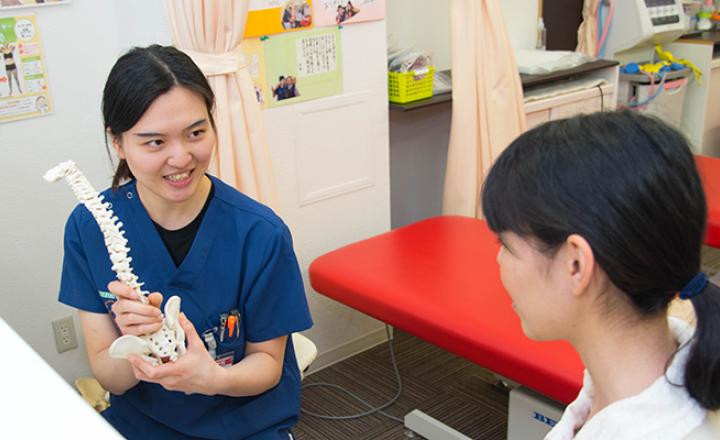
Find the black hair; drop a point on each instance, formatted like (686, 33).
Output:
(281, 77)
(138, 78)
(628, 184)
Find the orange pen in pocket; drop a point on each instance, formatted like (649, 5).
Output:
(231, 322)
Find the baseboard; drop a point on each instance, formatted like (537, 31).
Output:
(349, 349)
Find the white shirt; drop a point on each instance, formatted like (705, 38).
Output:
(662, 411)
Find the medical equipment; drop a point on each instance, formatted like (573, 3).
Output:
(659, 87)
(165, 344)
(642, 24)
(662, 95)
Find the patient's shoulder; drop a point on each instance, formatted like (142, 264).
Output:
(709, 429)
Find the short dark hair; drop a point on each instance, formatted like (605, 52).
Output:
(138, 78)
(628, 184)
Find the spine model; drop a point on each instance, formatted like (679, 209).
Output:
(163, 345)
(111, 227)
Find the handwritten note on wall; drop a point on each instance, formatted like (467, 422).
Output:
(316, 54)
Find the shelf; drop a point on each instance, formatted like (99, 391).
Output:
(435, 100)
(711, 36)
(527, 81)
(538, 80)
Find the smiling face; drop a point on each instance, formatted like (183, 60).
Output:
(539, 286)
(169, 149)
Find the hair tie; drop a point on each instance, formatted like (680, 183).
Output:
(695, 286)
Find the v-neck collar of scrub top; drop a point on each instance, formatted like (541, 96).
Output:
(183, 276)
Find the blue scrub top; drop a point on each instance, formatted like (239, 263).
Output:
(242, 258)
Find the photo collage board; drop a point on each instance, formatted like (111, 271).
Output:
(294, 48)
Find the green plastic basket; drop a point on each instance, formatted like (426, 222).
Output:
(410, 86)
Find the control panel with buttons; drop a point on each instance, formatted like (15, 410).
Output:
(663, 12)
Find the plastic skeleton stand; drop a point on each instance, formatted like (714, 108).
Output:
(164, 345)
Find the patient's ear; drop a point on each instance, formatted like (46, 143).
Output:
(580, 263)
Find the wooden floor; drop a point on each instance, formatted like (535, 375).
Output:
(453, 390)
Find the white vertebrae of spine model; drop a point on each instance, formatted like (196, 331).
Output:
(111, 227)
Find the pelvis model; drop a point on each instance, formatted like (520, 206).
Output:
(164, 345)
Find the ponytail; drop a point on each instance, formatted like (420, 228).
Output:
(122, 173)
(702, 372)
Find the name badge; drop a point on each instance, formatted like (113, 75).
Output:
(225, 359)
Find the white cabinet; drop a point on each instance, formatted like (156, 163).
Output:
(570, 104)
(567, 98)
(701, 113)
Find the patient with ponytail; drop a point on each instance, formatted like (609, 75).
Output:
(601, 219)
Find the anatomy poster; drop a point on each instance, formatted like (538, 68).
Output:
(7, 4)
(23, 83)
(303, 66)
(267, 17)
(336, 12)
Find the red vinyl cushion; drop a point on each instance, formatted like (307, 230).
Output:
(438, 279)
(709, 168)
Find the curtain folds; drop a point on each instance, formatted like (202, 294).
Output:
(487, 107)
(587, 32)
(210, 32)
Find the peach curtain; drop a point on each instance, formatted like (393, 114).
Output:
(487, 107)
(210, 32)
(587, 32)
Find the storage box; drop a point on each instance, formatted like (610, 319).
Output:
(410, 86)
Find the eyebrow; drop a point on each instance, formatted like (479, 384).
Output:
(149, 134)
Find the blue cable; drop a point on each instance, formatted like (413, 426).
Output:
(655, 95)
(601, 53)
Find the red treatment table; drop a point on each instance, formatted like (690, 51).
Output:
(709, 168)
(438, 279)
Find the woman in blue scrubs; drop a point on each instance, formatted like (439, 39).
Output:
(601, 219)
(229, 258)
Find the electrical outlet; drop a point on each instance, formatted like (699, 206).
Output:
(64, 331)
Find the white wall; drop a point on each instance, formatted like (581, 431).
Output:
(521, 18)
(425, 24)
(80, 44)
(82, 40)
(422, 25)
(332, 167)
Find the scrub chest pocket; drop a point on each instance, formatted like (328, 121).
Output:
(225, 341)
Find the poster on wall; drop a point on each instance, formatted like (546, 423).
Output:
(267, 17)
(336, 12)
(303, 66)
(255, 58)
(8, 4)
(23, 84)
